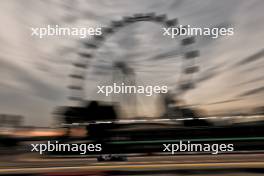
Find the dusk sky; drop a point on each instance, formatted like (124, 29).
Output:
(34, 72)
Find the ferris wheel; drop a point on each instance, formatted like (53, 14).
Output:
(113, 67)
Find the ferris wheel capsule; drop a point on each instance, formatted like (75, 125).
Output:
(191, 54)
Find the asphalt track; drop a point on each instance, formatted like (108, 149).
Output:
(226, 164)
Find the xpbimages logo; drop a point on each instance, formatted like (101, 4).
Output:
(131, 89)
(197, 31)
(56, 30)
(187, 146)
(59, 147)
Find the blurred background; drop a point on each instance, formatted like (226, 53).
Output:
(225, 92)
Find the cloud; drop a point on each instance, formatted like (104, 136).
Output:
(252, 92)
(252, 58)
